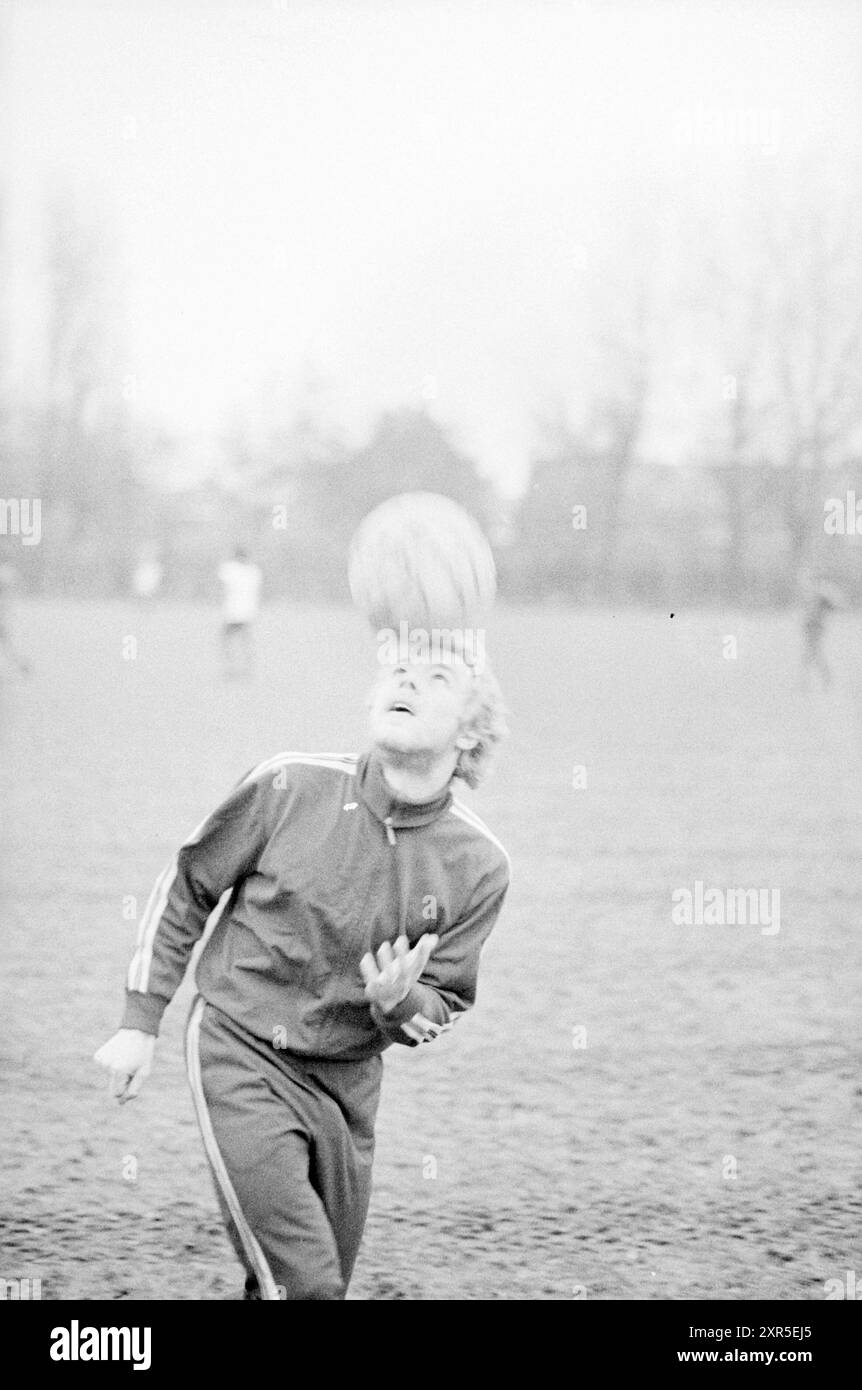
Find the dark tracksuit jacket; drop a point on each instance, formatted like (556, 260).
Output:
(311, 862)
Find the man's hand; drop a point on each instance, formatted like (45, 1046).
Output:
(128, 1055)
(390, 977)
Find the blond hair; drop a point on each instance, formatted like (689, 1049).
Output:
(484, 720)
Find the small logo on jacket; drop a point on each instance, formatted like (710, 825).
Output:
(351, 805)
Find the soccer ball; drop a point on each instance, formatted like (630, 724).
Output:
(419, 558)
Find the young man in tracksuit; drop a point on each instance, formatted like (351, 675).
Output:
(354, 897)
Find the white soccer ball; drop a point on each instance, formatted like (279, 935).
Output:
(420, 558)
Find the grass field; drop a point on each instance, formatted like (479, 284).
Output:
(697, 1139)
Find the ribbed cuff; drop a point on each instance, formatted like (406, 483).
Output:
(143, 1011)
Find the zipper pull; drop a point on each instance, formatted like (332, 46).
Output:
(390, 833)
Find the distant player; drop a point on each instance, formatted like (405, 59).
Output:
(8, 580)
(241, 582)
(820, 600)
(359, 894)
(147, 575)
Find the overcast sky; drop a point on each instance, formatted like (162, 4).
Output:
(400, 199)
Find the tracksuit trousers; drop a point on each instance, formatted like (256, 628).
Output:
(290, 1142)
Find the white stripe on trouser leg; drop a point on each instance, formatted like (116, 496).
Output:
(256, 1256)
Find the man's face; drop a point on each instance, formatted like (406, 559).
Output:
(417, 707)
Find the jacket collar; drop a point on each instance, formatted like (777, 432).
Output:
(378, 796)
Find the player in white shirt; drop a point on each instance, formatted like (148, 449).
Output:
(241, 581)
(148, 574)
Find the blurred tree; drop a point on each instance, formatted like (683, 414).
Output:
(816, 253)
(592, 446)
(730, 327)
(556, 539)
(85, 446)
(616, 415)
(9, 469)
(566, 529)
(281, 452)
